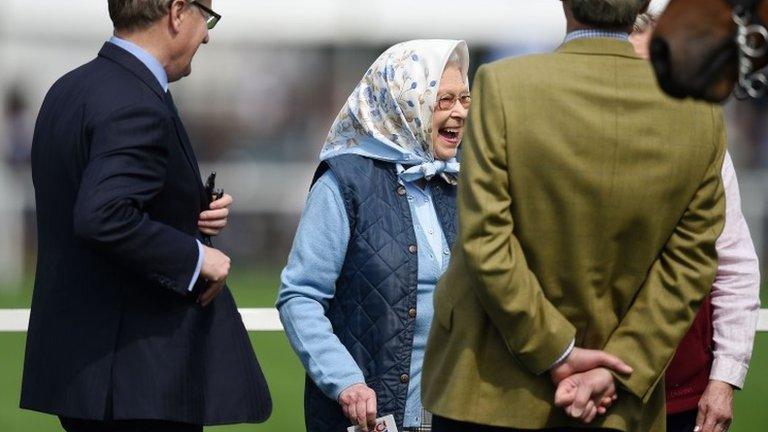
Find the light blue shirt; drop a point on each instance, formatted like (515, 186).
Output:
(146, 58)
(308, 283)
(158, 71)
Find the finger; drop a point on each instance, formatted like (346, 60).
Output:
(352, 409)
(371, 412)
(710, 421)
(606, 402)
(700, 417)
(361, 415)
(589, 412)
(214, 214)
(583, 394)
(565, 394)
(726, 425)
(614, 363)
(345, 409)
(602, 410)
(210, 231)
(213, 223)
(224, 201)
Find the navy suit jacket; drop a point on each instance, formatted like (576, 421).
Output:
(114, 333)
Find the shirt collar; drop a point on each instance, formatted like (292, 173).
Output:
(596, 33)
(146, 58)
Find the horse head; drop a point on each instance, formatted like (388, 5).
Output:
(695, 52)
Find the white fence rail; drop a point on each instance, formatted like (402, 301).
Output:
(260, 319)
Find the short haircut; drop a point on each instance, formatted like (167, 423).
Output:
(136, 14)
(607, 14)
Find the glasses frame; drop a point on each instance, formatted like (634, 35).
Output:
(212, 19)
(452, 101)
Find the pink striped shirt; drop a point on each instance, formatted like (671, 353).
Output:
(736, 290)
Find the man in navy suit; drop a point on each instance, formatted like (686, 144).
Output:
(132, 325)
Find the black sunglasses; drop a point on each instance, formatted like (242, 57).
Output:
(211, 17)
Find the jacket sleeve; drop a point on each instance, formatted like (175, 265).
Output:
(534, 331)
(126, 169)
(678, 281)
(736, 291)
(308, 284)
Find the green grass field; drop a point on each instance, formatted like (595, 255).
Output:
(285, 374)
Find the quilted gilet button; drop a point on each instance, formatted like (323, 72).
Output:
(412, 312)
(404, 378)
(413, 249)
(401, 190)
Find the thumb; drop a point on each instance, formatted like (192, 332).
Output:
(565, 393)
(612, 362)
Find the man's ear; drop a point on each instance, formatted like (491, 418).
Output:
(176, 14)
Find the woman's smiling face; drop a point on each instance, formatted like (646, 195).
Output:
(450, 113)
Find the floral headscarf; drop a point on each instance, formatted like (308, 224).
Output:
(389, 114)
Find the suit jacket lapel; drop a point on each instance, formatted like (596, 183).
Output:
(182, 133)
(186, 146)
(135, 66)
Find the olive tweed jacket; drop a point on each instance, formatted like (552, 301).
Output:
(589, 206)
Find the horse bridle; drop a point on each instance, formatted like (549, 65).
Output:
(752, 44)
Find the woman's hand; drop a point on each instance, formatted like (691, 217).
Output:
(212, 221)
(715, 408)
(359, 405)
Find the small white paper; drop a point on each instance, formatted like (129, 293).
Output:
(383, 424)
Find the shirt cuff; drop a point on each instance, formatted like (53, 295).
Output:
(196, 274)
(335, 390)
(729, 370)
(565, 355)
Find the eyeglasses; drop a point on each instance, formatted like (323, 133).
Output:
(447, 102)
(211, 17)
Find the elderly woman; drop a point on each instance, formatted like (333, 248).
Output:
(374, 238)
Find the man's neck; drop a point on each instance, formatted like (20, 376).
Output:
(147, 40)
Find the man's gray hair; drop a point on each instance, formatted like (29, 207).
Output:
(607, 14)
(136, 14)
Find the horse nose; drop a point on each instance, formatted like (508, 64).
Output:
(660, 57)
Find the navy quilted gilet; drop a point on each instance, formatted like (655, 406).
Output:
(377, 285)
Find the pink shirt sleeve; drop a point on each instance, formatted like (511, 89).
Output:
(736, 290)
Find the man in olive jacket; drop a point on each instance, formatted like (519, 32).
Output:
(589, 206)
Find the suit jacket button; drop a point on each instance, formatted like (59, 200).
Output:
(404, 378)
(413, 249)
(412, 312)
(401, 190)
